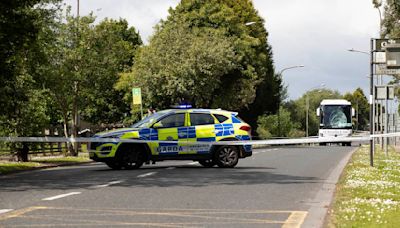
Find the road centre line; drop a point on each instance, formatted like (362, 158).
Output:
(108, 184)
(61, 196)
(147, 174)
(2, 211)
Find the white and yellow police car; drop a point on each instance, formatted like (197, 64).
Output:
(168, 135)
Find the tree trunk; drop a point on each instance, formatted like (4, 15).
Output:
(22, 153)
(75, 120)
(69, 145)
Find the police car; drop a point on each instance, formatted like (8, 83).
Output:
(171, 135)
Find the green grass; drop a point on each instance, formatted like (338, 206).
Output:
(368, 196)
(9, 167)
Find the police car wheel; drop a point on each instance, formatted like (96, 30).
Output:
(114, 165)
(129, 160)
(227, 156)
(207, 163)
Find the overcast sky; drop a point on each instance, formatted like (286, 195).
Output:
(312, 33)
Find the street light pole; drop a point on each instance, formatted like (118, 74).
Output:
(279, 104)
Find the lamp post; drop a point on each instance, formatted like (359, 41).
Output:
(307, 104)
(279, 104)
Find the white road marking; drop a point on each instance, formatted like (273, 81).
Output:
(61, 196)
(2, 211)
(256, 152)
(193, 163)
(108, 184)
(171, 168)
(147, 174)
(275, 149)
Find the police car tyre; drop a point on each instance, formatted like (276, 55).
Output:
(114, 165)
(207, 163)
(227, 156)
(132, 159)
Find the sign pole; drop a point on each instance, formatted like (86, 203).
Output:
(371, 105)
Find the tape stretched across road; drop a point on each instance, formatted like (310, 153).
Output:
(244, 142)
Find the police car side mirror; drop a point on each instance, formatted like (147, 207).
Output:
(353, 112)
(158, 125)
(318, 112)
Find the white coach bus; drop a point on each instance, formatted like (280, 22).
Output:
(335, 119)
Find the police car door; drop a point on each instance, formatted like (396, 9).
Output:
(204, 126)
(171, 128)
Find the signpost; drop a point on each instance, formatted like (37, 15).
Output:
(385, 60)
(137, 99)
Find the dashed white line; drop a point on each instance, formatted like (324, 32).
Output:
(2, 211)
(61, 196)
(108, 184)
(147, 174)
(193, 163)
(256, 152)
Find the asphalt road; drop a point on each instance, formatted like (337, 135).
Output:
(276, 187)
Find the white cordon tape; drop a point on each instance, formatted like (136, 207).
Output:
(244, 142)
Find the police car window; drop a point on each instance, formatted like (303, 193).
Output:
(221, 118)
(175, 120)
(201, 119)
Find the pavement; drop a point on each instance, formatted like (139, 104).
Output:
(276, 187)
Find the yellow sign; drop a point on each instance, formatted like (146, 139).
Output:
(137, 96)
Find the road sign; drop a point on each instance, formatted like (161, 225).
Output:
(382, 70)
(137, 96)
(384, 92)
(382, 43)
(393, 56)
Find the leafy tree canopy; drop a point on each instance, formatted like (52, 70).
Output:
(204, 53)
(391, 22)
(360, 103)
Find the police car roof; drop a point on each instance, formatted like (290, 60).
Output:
(202, 110)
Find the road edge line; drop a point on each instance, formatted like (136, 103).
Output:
(19, 212)
(319, 210)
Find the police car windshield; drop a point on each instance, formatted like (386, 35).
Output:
(148, 121)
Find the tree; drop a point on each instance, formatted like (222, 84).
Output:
(84, 61)
(298, 109)
(268, 125)
(24, 102)
(391, 21)
(20, 23)
(204, 53)
(360, 103)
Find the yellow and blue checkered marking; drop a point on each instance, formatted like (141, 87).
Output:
(230, 128)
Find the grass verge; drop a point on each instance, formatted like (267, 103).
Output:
(368, 196)
(38, 162)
